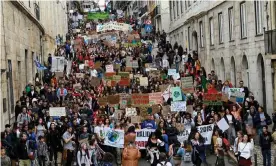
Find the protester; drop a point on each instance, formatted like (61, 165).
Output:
(245, 151)
(265, 144)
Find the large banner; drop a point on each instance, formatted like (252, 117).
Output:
(113, 26)
(206, 131)
(115, 138)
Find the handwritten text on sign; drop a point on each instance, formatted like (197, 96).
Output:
(140, 99)
(57, 111)
(178, 106)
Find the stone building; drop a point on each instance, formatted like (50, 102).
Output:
(230, 39)
(28, 31)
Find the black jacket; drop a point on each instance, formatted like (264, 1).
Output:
(22, 152)
(265, 141)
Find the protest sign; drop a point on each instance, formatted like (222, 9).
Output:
(135, 119)
(124, 74)
(237, 93)
(81, 66)
(59, 74)
(224, 97)
(155, 109)
(128, 69)
(135, 64)
(113, 99)
(77, 86)
(144, 81)
(129, 61)
(143, 111)
(57, 111)
(125, 99)
(205, 131)
(150, 69)
(124, 82)
(131, 112)
(176, 76)
(114, 138)
(142, 136)
(212, 99)
(176, 93)
(102, 101)
(118, 114)
(167, 93)
(140, 99)
(117, 66)
(116, 78)
(57, 64)
(95, 81)
(109, 68)
(109, 76)
(154, 73)
(171, 72)
(177, 106)
(166, 109)
(155, 98)
(187, 84)
(79, 75)
(163, 87)
(98, 65)
(223, 125)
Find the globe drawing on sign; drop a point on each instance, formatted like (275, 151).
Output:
(113, 137)
(176, 94)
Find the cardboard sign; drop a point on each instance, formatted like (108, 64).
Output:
(57, 111)
(113, 99)
(171, 72)
(125, 100)
(109, 68)
(155, 109)
(109, 76)
(95, 81)
(116, 78)
(176, 93)
(124, 82)
(187, 84)
(154, 73)
(144, 81)
(79, 75)
(102, 101)
(118, 114)
(77, 86)
(135, 119)
(98, 65)
(178, 106)
(190, 109)
(117, 66)
(212, 99)
(124, 74)
(166, 110)
(135, 64)
(140, 99)
(155, 98)
(131, 112)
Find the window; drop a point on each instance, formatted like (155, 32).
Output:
(220, 24)
(231, 23)
(211, 22)
(186, 5)
(174, 10)
(201, 33)
(171, 10)
(189, 39)
(37, 11)
(177, 8)
(181, 6)
(243, 20)
(258, 17)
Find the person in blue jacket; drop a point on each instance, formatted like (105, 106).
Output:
(148, 123)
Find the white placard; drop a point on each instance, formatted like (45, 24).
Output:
(171, 72)
(57, 111)
(177, 106)
(131, 112)
(109, 68)
(223, 125)
(81, 66)
(57, 64)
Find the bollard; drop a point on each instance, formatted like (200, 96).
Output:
(255, 159)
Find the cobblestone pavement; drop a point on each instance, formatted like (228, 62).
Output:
(258, 151)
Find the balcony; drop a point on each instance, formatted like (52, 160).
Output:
(270, 41)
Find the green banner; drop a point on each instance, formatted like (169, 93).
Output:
(94, 16)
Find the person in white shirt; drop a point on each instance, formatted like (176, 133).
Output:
(163, 160)
(245, 149)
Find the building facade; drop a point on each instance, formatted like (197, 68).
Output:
(28, 31)
(230, 39)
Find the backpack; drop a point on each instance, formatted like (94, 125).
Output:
(163, 164)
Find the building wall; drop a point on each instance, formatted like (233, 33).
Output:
(21, 43)
(230, 58)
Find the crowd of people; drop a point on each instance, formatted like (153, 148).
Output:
(38, 138)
